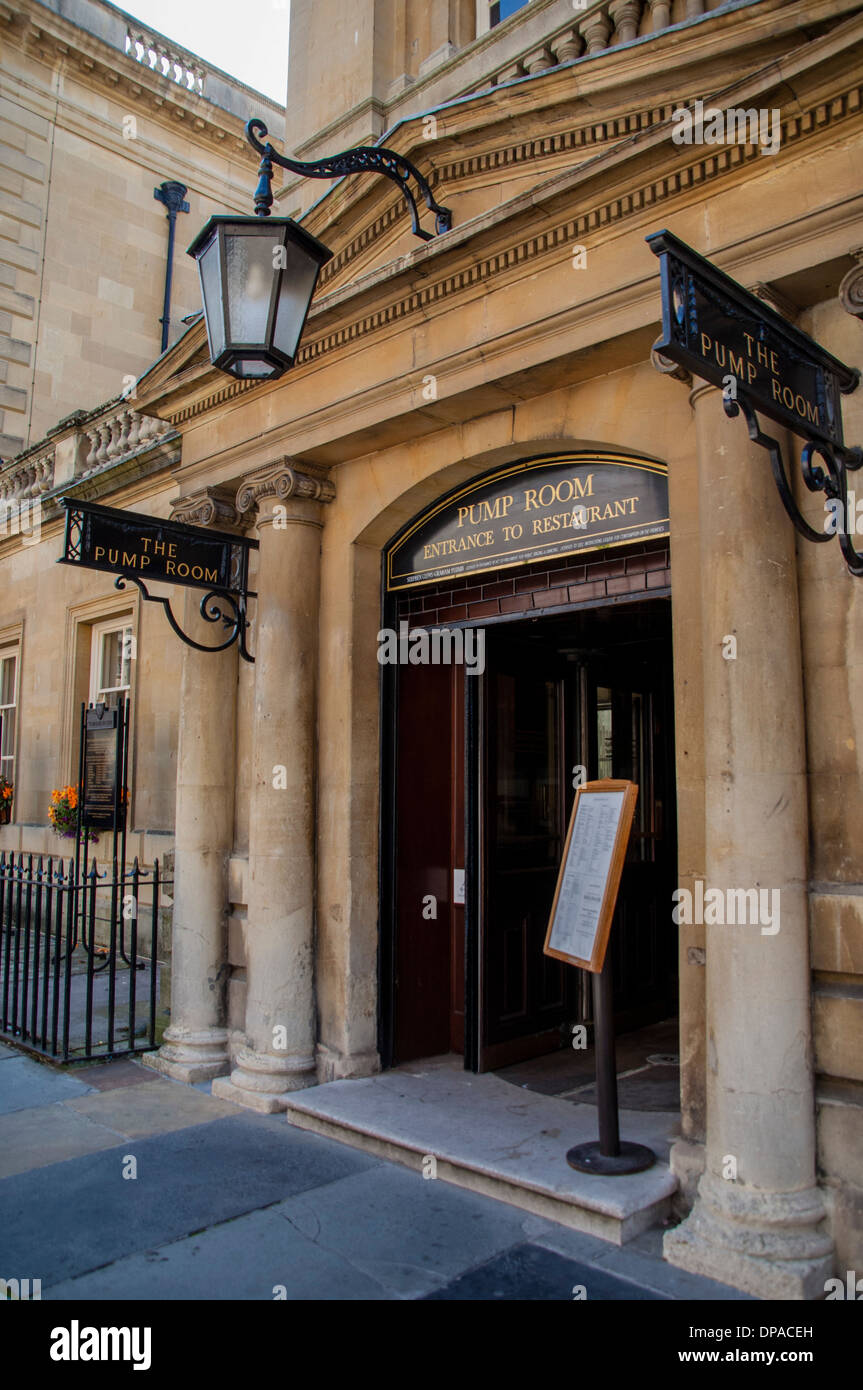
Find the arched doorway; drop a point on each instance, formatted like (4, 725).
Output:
(555, 573)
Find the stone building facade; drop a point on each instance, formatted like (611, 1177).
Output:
(96, 111)
(308, 786)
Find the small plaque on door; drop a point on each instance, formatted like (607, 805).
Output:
(458, 887)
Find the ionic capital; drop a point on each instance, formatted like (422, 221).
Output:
(668, 368)
(283, 480)
(851, 287)
(210, 506)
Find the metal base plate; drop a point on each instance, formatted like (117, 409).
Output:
(633, 1158)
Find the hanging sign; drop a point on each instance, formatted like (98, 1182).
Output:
(589, 877)
(731, 338)
(560, 505)
(145, 547)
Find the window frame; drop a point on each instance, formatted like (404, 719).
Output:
(12, 648)
(100, 630)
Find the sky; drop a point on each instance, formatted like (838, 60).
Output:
(246, 38)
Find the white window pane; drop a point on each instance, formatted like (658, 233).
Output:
(115, 663)
(7, 737)
(7, 680)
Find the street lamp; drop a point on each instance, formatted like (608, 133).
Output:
(257, 282)
(258, 276)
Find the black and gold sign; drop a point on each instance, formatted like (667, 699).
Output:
(729, 337)
(559, 505)
(101, 805)
(145, 547)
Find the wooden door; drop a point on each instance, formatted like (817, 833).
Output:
(428, 985)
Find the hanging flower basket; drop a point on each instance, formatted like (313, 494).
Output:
(63, 814)
(6, 791)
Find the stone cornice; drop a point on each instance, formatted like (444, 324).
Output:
(282, 480)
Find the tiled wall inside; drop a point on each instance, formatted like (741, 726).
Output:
(609, 574)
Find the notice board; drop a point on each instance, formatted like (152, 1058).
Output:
(589, 877)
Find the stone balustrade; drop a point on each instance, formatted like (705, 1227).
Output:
(170, 61)
(27, 476)
(117, 436)
(603, 25)
(81, 446)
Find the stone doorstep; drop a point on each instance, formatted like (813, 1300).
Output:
(496, 1139)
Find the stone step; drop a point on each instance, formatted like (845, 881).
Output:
(492, 1137)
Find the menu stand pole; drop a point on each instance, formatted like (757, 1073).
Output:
(611, 1156)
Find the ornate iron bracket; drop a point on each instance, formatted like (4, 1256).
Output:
(373, 159)
(833, 482)
(211, 613)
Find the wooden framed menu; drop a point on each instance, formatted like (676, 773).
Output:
(590, 871)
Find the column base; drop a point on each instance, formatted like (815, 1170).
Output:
(191, 1056)
(764, 1243)
(263, 1082)
(686, 1161)
(333, 1065)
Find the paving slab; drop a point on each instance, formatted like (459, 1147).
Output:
(25, 1083)
(76, 1216)
(640, 1261)
(497, 1139)
(240, 1260)
(7, 1051)
(410, 1234)
(48, 1134)
(530, 1273)
(109, 1076)
(154, 1107)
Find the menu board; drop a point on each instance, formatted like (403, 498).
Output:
(590, 871)
(101, 754)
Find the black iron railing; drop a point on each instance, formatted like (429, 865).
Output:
(78, 956)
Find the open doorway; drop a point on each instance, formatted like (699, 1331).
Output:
(481, 788)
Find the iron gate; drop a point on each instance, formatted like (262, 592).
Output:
(78, 956)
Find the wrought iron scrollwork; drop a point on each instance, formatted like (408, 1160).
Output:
(211, 612)
(373, 159)
(832, 480)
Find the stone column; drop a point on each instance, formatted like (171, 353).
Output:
(280, 1030)
(195, 1046)
(757, 1218)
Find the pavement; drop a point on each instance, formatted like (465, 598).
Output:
(115, 1184)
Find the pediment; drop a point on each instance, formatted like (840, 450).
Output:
(491, 148)
(545, 164)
